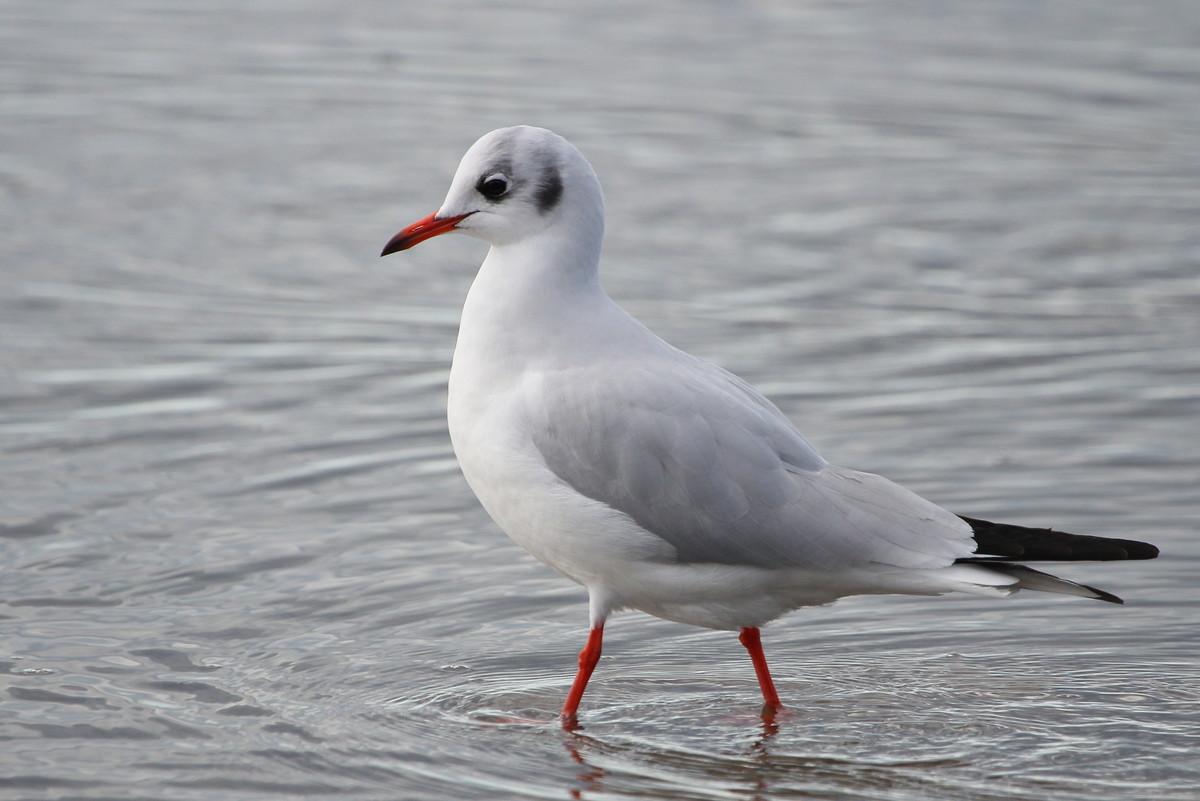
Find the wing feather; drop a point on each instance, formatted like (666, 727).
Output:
(697, 457)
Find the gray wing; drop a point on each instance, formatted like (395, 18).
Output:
(699, 458)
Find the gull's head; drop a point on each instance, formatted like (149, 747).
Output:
(513, 184)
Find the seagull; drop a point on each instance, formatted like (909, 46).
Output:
(658, 481)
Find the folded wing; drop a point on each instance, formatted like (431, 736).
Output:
(699, 458)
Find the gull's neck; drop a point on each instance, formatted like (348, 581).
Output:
(538, 304)
(540, 279)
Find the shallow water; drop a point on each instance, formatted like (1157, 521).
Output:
(956, 242)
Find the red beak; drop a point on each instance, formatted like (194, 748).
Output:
(421, 230)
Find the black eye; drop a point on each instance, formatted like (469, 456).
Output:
(493, 187)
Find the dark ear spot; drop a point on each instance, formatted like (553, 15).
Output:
(549, 190)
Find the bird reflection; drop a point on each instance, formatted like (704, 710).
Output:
(755, 767)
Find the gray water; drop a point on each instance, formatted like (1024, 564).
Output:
(959, 243)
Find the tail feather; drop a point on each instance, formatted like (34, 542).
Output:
(1030, 579)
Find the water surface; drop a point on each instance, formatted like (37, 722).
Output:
(956, 242)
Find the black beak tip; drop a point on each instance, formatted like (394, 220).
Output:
(394, 245)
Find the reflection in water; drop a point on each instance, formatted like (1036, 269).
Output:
(590, 776)
(758, 770)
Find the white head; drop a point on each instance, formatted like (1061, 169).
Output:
(514, 184)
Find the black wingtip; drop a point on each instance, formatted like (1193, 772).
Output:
(1139, 550)
(1045, 544)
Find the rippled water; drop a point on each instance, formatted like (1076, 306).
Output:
(958, 243)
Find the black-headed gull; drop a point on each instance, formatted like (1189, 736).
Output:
(656, 480)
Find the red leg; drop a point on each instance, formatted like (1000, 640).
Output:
(749, 637)
(588, 658)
